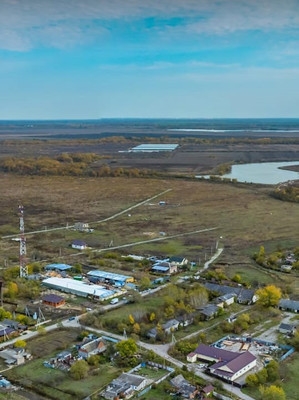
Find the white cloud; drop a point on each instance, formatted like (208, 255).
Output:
(59, 23)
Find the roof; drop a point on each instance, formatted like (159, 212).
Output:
(108, 275)
(176, 259)
(289, 304)
(209, 310)
(78, 242)
(160, 268)
(152, 147)
(52, 298)
(170, 323)
(79, 287)
(60, 267)
(226, 362)
(287, 327)
(241, 293)
(134, 380)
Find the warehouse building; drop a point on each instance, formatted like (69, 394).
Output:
(154, 147)
(79, 288)
(109, 278)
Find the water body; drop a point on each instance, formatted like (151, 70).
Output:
(269, 173)
(98, 128)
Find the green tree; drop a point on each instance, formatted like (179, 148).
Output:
(79, 370)
(126, 348)
(252, 380)
(268, 296)
(273, 371)
(272, 393)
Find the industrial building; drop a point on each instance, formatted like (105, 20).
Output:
(154, 147)
(109, 277)
(79, 288)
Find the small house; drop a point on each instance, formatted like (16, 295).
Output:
(287, 329)
(178, 261)
(92, 347)
(79, 244)
(53, 300)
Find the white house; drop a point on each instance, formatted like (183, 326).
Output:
(79, 244)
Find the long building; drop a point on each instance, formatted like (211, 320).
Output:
(109, 278)
(79, 288)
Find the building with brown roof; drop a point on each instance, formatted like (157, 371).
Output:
(224, 364)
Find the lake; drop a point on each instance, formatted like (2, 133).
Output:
(268, 173)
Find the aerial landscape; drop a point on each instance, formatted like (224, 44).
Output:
(149, 174)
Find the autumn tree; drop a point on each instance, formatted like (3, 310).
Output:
(272, 393)
(79, 370)
(20, 343)
(126, 348)
(268, 296)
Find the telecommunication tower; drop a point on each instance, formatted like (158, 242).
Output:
(23, 266)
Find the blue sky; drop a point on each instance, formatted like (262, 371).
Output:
(63, 59)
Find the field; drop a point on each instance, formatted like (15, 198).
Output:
(245, 217)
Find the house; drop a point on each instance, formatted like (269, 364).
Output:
(242, 295)
(79, 244)
(53, 300)
(183, 387)
(289, 305)
(287, 329)
(207, 390)
(209, 311)
(224, 364)
(225, 300)
(124, 386)
(16, 356)
(92, 347)
(82, 227)
(17, 326)
(168, 327)
(178, 261)
(165, 268)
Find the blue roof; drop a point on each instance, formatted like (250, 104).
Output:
(109, 275)
(160, 268)
(60, 267)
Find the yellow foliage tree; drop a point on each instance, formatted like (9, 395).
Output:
(268, 296)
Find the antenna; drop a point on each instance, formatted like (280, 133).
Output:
(23, 266)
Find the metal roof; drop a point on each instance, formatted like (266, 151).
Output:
(155, 147)
(78, 287)
(109, 275)
(60, 267)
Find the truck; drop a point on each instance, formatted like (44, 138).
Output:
(114, 301)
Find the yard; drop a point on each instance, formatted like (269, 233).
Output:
(54, 383)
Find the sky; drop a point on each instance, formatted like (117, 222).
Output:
(91, 59)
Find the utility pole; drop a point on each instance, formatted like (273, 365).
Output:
(23, 266)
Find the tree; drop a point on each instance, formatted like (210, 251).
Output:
(272, 393)
(126, 348)
(273, 371)
(79, 370)
(20, 343)
(252, 380)
(268, 296)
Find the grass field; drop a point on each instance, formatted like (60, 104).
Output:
(245, 216)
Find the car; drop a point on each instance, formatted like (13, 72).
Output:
(72, 318)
